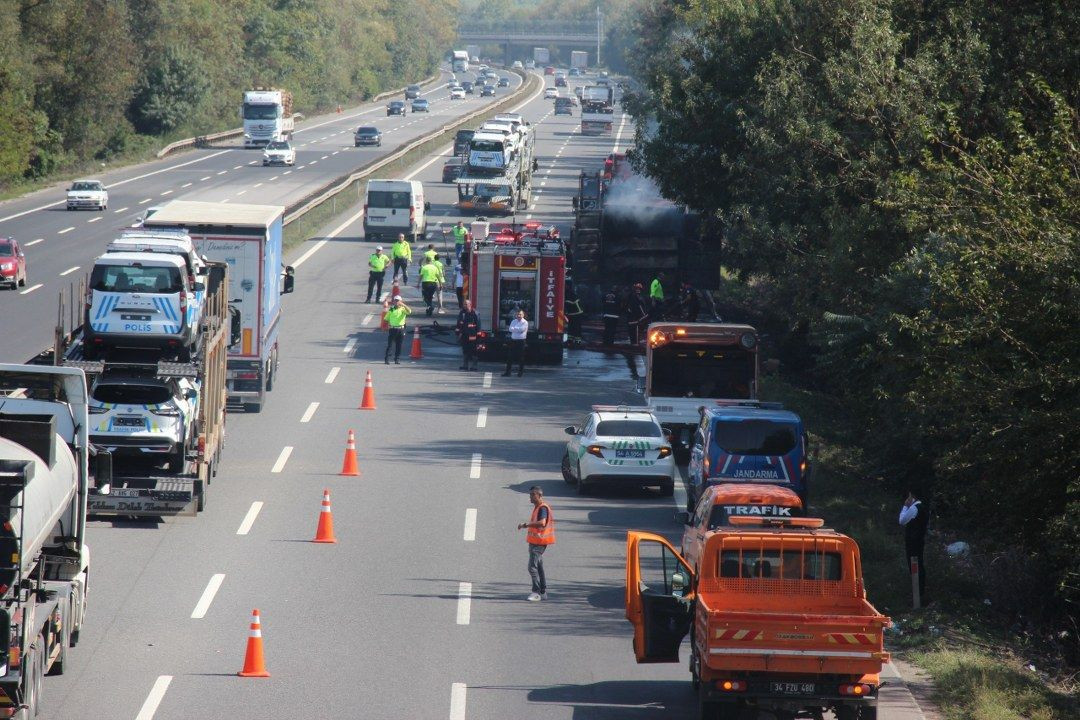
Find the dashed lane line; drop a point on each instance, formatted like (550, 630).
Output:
(69, 271)
(157, 694)
(349, 346)
(474, 467)
(167, 192)
(35, 242)
(470, 525)
(223, 172)
(464, 603)
(282, 459)
(309, 413)
(94, 220)
(31, 289)
(457, 701)
(487, 380)
(187, 184)
(207, 597)
(241, 193)
(65, 231)
(367, 319)
(123, 209)
(145, 200)
(332, 375)
(481, 417)
(205, 178)
(237, 167)
(249, 518)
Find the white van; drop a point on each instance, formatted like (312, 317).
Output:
(395, 206)
(141, 300)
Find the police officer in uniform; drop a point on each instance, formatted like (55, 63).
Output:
(610, 311)
(377, 263)
(429, 282)
(468, 330)
(395, 318)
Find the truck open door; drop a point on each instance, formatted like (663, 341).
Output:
(659, 597)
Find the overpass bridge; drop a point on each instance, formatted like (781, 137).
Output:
(576, 35)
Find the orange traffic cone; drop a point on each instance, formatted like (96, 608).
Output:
(383, 325)
(416, 353)
(349, 465)
(325, 532)
(395, 289)
(368, 401)
(254, 663)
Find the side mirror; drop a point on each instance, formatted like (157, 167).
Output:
(678, 582)
(682, 517)
(570, 430)
(290, 279)
(235, 325)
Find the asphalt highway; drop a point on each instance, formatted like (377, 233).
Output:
(419, 610)
(61, 245)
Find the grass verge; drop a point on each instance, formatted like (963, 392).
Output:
(982, 667)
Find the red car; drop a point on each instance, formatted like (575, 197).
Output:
(12, 263)
(549, 70)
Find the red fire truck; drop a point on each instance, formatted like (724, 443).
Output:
(519, 267)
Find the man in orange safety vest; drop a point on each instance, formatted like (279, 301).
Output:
(540, 532)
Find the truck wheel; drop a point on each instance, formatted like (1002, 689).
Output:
(566, 475)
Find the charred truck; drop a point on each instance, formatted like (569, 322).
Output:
(45, 463)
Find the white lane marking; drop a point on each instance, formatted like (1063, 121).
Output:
(69, 271)
(487, 379)
(274, 178)
(349, 346)
(464, 603)
(30, 289)
(93, 220)
(301, 167)
(35, 242)
(257, 185)
(223, 172)
(256, 162)
(310, 412)
(543, 183)
(311, 251)
(287, 172)
(208, 596)
(167, 192)
(470, 525)
(313, 162)
(249, 519)
(332, 375)
(65, 230)
(241, 193)
(237, 167)
(225, 200)
(679, 498)
(533, 206)
(205, 178)
(457, 701)
(335, 152)
(187, 184)
(157, 693)
(282, 459)
(117, 212)
(324, 157)
(425, 166)
(367, 319)
(143, 202)
(481, 417)
(618, 134)
(474, 468)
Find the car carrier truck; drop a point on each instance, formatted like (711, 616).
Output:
(45, 463)
(777, 616)
(248, 239)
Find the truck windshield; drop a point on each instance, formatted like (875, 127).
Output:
(130, 394)
(261, 112)
(628, 428)
(753, 563)
(136, 278)
(701, 371)
(756, 437)
(390, 199)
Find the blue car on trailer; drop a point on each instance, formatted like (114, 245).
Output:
(749, 442)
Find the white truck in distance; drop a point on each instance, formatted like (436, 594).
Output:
(267, 116)
(579, 59)
(461, 61)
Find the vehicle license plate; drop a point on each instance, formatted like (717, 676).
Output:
(629, 453)
(792, 688)
(124, 493)
(129, 421)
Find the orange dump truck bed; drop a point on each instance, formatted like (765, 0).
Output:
(777, 615)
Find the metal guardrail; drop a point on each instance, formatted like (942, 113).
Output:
(205, 140)
(329, 191)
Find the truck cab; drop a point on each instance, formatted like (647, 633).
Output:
(720, 503)
(749, 442)
(777, 614)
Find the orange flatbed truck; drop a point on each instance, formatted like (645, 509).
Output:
(777, 617)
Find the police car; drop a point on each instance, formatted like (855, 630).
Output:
(620, 445)
(146, 417)
(142, 300)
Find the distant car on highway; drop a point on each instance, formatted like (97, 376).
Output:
(457, 92)
(279, 152)
(412, 92)
(461, 141)
(467, 87)
(12, 263)
(530, 64)
(504, 82)
(517, 65)
(87, 194)
(421, 105)
(549, 70)
(564, 106)
(575, 72)
(395, 107)
(452, 169)
(560, 81)
(551, 93)
(619, 445)
(367, 135)
(487, 91)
